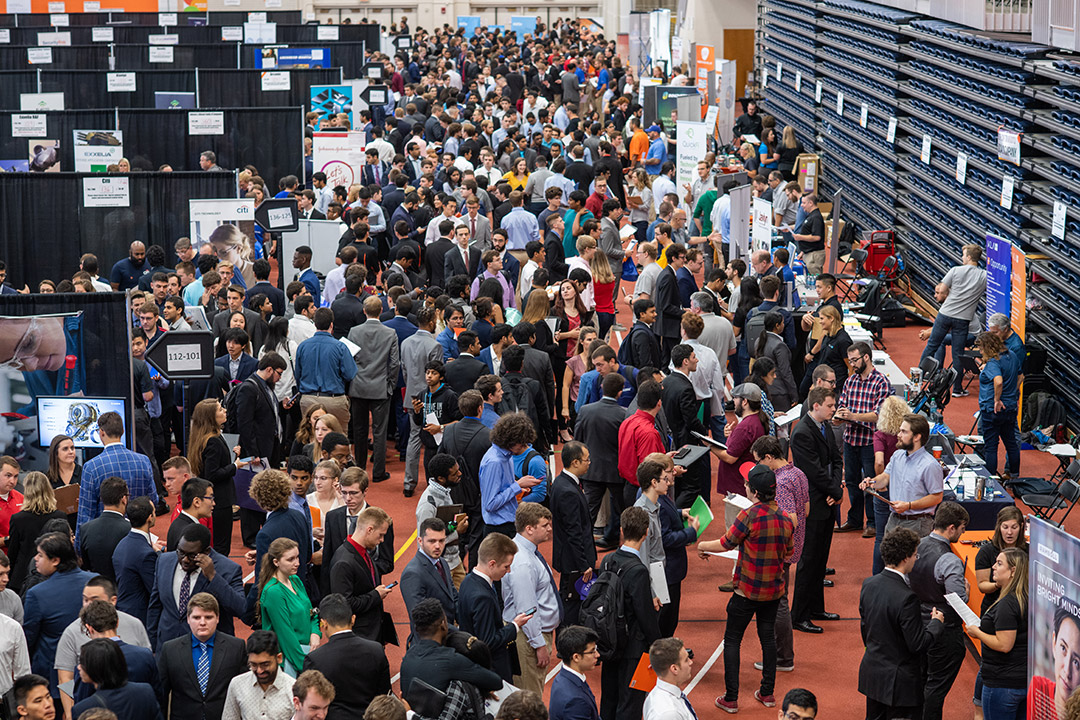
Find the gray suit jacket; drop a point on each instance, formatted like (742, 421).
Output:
(420, 580)
(611, 245)
(598, 427)
(377, 362)
(416, 351)
(482, 239)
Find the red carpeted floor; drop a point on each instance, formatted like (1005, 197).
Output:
(827, 664)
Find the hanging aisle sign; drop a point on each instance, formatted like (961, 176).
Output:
(276, 80)
(110, 191)
(206, 123)
(120, 82)
(28, 126)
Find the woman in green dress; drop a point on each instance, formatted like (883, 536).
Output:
(284, 606)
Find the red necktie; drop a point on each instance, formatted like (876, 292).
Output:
(472, 227)
(439, 567)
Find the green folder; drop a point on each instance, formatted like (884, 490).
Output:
(700, 509)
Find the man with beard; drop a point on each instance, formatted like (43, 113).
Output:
(127, 272)
(265, 691)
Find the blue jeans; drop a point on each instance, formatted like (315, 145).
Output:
(858, 464)
(995, 426)
(881, 517)
(1004, 703)
(947, 342)
(740, 369)
(943, 326)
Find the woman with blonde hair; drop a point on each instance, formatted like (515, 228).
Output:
(640, 202)
(790, 149)
(211, 459)
(234, 246)
(325, 495)
(604, 282)
(325, 425)
(39, 507)
(284, 606)
(890, 416)
(305, 433)
(833, 347)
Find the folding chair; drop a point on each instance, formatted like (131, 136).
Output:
(1064, 497)
(846, 282)
(972, 440)
(969, 367)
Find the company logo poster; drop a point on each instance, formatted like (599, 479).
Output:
(339, 155)
(95, 150)
(229, 226)
(332, 99)
(1053, 621)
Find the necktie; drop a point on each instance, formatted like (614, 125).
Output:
(823, 431)
(465, 258)
(352, 523)
(439, 567)
(688, 705)
(375, 169)
(472, 227)
(551, 577)
(203, 671)
(185, 594)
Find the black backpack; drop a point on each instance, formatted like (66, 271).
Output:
(232, 423)
(753, 328)
(603, 611)
(625, 349)
(516, 397)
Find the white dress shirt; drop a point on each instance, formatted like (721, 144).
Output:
(14, 655)
(662, 186)
(665, 702)
(246, 700)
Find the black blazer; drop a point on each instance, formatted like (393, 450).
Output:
(23, 533)
(256, 419)
(598, 427)
(479, 611)
(176, 671)
(819, 458)
(348, 313)
(463, 372)
(218, 468)
(437, 665)
(176, 529)
(669, 308)
(680, 405)
(572, 548)
(642, 620)
(350, 576)
(338, 659)
(421, 580)
(895, 639)
(98, 539)
(434, 262)
(337, 529)
(454, 265)
(276, 297)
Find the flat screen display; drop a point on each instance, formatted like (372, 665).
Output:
(76, 417)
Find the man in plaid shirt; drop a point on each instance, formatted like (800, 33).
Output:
(864, 391)
(765, 537)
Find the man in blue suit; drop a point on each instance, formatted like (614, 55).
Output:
(428, 574)
(200, 569)
(571, 696)
(52, 604)
(135, 560)
(479, 607)
(237, 363)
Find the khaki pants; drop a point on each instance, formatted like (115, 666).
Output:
(336, 405)
(457, 574)
(532, 677)
(815, 262)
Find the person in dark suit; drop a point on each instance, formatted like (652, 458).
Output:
(468, 440)
(104, 664)
(428, 573)
(101, 535)
(100, 620)
(454, 261)
(680, 406)
(261, 269)
(571, 697)
(435, 255)
(463, 371)
(253, 323)
(480, 607)
(669, 307)
(354, 484)
(196, 502)
(893, 631)
(135, 559)
(573, 553)
(201, 570)
(374, 172)
(196, 667)
(257, 421)
(271, 490)
(237, 364)
(598, 427)
(815, 452)
(642, 627)
(338, 656)
(429, 659)
(354, 574)
(348, 307)
(537, 363)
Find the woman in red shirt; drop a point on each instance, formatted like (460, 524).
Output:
(603, 292)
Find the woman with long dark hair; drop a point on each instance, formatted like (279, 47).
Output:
(572, 315)
(63, 468)
(749, 298)
(102, 664)
(211, 459)
(763, 374)
(484, 310)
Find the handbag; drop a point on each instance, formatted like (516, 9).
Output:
(629, 270)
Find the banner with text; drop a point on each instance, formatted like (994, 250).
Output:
(998, 275)
(690, 148)
(1053, 620)
(339, 155)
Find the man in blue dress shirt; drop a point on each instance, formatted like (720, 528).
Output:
(323, 367)
(499, 487)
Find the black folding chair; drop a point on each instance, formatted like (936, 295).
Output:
(1064, 497)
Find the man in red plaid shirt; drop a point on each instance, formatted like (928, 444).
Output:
(864, 391)
(765, 537)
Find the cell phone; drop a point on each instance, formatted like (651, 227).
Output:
(247, 459)
(391, 585)
(295, 397)
(531, 611)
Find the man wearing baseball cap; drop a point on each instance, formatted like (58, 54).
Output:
(765, 537)
(657, 155)
(751, 424)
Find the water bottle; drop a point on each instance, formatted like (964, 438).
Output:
(960, 487)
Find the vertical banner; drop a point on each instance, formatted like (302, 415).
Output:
(659, 39)
(998, 271)
(1018, 286)
(332, 99)
(704, 63)
(339, 155)
(762, 224)
(726, 100)
(471, 23)
(690, 147)
(1053, 619)
(739, 245)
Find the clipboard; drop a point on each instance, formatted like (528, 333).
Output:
(693, 453)
(231, 441)
(447, 513)
(67, 498)
(875, 493)
(708, 440)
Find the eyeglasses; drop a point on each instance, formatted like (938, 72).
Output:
(207, 497)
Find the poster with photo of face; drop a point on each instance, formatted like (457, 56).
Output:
(1053, 622)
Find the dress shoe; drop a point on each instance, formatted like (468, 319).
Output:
(830, 571)
(807, 627)
(824, 616)
(869, 532)
(726, 587)
(408, 492)
(779, 668)
(848, 527)
(827, 582)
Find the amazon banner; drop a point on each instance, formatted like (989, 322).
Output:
(65, 359)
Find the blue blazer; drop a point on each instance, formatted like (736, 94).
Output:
(676, 538)
(163, 619)
(134, 562)
(50, 607)
(479, 611)
(485, 357)
(288, 523)
(248, 365)
(571, 699)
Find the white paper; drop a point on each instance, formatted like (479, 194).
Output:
(206, 123)
(59, 20)
(120, 81)
(352, 347)
(890, 134)
(1059, 220)
(260, 33)
(433, 419)
(789, 417)
(101, 34)
(740, 501)
(164, 39)
(779, 71)
(1008, 146)
(966, 614)
(91, 6)
(5, 35)
(840, 103)
(817, 92)
(166, 19)
(54, 39)
(28, 126)
(961, 168)
(659, 582)
(1007, 184)
(727, 554)
(492, 704)
(276, 80)
(54, 7)
(256, 17)
(109, 191)
(924, 155)
(39, 55)
(232, 33)
(163, 54)
(764, 78)
(326, 32)
(31, 102)
(864, 114)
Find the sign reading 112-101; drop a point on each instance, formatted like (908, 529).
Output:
(183, 355)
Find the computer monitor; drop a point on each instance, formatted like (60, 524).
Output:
(76, 417)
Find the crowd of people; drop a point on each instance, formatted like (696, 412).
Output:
(514, 198)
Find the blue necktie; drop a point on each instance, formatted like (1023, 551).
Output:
(688, 705)
(551, 577)
(203, 671)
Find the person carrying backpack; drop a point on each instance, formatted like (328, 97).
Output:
(639, 348)
(622, 576)
(524, 394)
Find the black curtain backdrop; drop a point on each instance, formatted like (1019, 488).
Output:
(156, 137)
(283, 17)
(89, 88)
(243, 88)
(72, 57)
(46, 229)
(12, 85)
